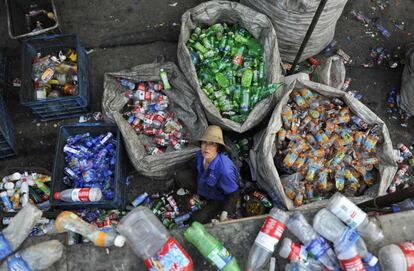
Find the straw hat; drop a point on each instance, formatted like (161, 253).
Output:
(214, 134)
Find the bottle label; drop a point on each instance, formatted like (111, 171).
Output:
(220, 257)
(81, 194)
(317, 247)
(348, 239)
(353, 264)
(171, 257)
(16, 263)
(5, 249)
(408, 250)
(270, 233)
(298, 253)
(349, 213)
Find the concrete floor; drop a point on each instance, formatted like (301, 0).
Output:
(125, 33)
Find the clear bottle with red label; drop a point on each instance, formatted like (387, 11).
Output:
(152, 242)
(267, 239)
(350, 260)
(79, 194)
(397, 257)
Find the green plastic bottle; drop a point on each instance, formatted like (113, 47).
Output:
(222, 80)
(247, 78)
(164, 78)
(210, 248)
(245, 100)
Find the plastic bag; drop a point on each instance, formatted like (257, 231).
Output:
(331, 73)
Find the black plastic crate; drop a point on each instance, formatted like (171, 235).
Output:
(7, 136)
(62, 107)
(17, 21)
(120, 169)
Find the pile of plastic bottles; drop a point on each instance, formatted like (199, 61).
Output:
(165, 207)
(55, 74)
(18, 189)
(327, 147)
(335, 240)
(255, 203)
(404, 158)
(394, 110)
(230, 68)
(90, 163)
(147, 113)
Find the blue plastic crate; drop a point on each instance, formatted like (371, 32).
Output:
(62, 107)
(7, 138)
(57, 185)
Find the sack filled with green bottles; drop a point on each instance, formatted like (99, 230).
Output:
(230, 67)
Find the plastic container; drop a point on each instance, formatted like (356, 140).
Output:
(62, 107)
(120, 169)
(149, 239)
(7, 136)
(397, 257)
(316, 245)
(16, 10)
(354, 217)
(36, 257)
(267, 239)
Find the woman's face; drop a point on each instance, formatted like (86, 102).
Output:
(209, 150)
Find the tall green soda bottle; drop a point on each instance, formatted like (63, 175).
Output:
(210, 248)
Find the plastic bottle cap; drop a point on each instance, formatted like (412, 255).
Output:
(10, 192)
(15, 176)
(9, 185)
(119, 241)
(373, 261)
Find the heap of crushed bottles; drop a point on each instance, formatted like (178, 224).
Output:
(230, 68)
(402, 179)
(90, 162)
(328, 148)
(165, 207)
(147, 113)
(55, 75)
(17, 189)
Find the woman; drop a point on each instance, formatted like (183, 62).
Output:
(214, 177)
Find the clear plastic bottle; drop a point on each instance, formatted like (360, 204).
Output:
(355, 218)
(18, 229)
(405, 205)
(267, 239)
(350, 260)
(149, 239)
(295, 252)
(36, 257)
(68, 221)
(316, 245)
(79, 194)
(397, 257)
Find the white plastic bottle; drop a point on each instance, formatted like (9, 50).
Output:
(68, 221)
(18, 229)
(397, 257)
(36, 257)
(343, 237)
(316, 245)
(267, 239)
(79, 194)
(355, 218)
(295, 252)
(150, 240)
(350, 260)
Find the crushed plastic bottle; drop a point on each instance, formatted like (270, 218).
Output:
(152, 242)
(397, 257)
(316, 245)
(355, 218)
(69, 221)
(36, 257)
(18, 229)
(267, 239)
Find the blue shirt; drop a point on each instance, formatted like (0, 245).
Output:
(219, 179)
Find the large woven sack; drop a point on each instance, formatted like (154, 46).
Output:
(268, 174)
(407, 84)
(260, 27)
(291, 19)
(183, 102)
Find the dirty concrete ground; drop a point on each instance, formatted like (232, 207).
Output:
(125, 33)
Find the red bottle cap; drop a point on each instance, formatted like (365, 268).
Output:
(56, 195)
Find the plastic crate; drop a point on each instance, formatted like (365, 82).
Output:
(7, 138)
(62, 107)
(4, 69)
(120, 169)
(16, 19)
